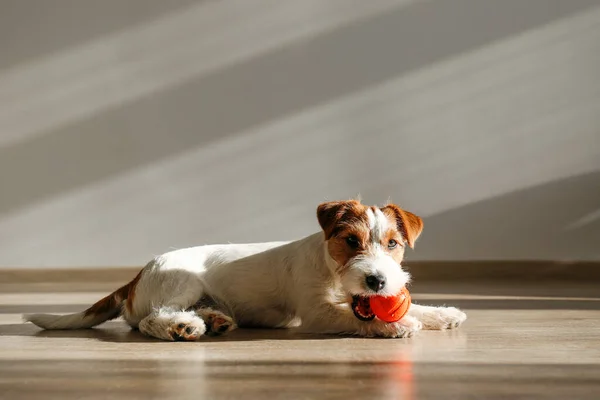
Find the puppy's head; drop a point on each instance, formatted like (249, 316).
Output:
(367, 245)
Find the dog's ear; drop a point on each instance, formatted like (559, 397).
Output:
(409, 225)
(331, 212)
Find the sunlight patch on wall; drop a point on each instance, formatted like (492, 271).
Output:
(79, 82)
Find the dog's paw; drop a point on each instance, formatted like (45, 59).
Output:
(187, 331)
(217, 323)
(167, 324)
(405, 328)
(411, 323)
(440, 318)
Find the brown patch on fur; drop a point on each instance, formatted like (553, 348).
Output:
(339, 249)
(332, 213)
(396, 253)
(112, 303)
(339, 220)
(409, 225)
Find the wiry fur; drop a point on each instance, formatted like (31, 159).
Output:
(275, 284)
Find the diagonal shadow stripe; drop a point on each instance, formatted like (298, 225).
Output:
(499, 221)
(20, 43)
(282, 82)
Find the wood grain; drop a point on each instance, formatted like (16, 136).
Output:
(520, 341)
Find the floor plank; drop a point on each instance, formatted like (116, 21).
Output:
(520, 341)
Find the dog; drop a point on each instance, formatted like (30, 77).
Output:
(318, 284)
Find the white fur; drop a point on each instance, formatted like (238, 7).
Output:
(371, 218)
(70, 321)
(437, 318)
(273, 284)
(162, 321)
(375, 262)
(378, 223)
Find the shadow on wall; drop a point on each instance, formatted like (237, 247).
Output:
(263, 88)
(560, 220)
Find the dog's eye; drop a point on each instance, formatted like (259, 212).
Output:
(392, 244)
(352, 241)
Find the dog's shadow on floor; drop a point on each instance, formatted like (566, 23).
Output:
(119, 332)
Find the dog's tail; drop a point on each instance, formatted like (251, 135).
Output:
(103, 310)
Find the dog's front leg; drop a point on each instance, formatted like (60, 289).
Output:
(339, 319)
(437, 318)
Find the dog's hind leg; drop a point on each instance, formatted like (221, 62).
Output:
(161, 305)
(214, 315)
(174, 324)
(217, 322)
(173, 320)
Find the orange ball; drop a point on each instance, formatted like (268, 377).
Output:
(391, 309)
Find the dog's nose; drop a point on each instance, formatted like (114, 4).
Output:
(375, 282)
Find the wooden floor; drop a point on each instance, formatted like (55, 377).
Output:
(538, 340)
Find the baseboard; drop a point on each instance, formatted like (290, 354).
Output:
(65, 275)
(504, 270)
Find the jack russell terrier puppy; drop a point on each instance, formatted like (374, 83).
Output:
(319, 283)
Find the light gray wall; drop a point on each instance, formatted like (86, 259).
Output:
(131, 127)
